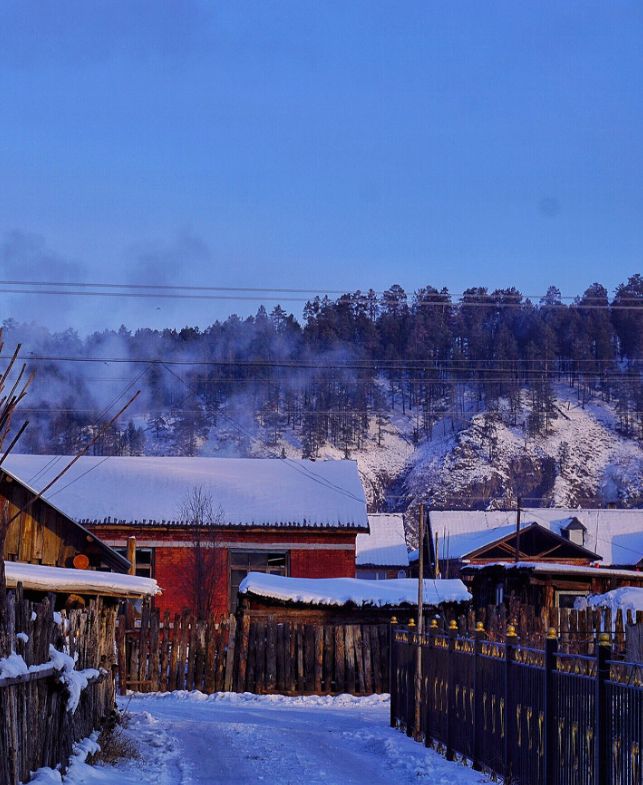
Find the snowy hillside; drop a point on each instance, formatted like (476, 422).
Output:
(479, 462)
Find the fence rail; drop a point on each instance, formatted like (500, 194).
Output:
(529, 716)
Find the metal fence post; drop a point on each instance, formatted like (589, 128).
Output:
(453, 631)
(506, 717)
(478, 637)
(433, 627)
(549, 732)
(409, 678)
(392, 681)
(601, 742)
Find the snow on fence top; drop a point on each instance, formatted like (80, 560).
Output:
(385, 544)
(363, 593)
(61, 579)
(627, 598)
(616, 535)
(246, 491)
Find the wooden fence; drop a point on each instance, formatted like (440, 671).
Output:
(262, 655)
(531, 716)
(36, 727)
(577, 629)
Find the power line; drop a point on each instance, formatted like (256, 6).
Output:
(468, 303)
(368, 365)
(318, 291)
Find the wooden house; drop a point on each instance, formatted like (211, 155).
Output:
(382, 553)
(568, 536)
(278, 516)
(542, 584)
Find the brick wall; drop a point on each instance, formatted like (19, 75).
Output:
(174, 565)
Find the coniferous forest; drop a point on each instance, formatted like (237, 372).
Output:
(244, 385)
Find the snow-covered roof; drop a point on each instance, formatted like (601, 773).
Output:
(61, 579)
(627, 598)
(616, 535)
(385, 544)
(341, 591)
(559, 568)
(247, 491)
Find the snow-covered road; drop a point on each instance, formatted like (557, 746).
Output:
(188, 739)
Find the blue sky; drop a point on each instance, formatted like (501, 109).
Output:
(332, 145)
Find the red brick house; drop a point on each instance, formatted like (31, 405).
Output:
(280, 516)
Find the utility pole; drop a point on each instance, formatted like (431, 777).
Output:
(517, 549)
(420, 624)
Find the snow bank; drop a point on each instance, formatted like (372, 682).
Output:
(385, 544)
(627, 598)
(363, 593)
(343, 700)
(61, 579)
(78, 772)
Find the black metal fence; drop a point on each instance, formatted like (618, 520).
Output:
(528, 715)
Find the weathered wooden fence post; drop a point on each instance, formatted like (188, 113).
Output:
(478, 638)
(451, 707)
(549, 731)
(392, 681)
(506, 712)
(601, 740)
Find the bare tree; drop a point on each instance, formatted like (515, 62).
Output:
(9, 400)
(198, 512)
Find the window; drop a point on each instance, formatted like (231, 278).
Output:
(566, 599)
(144, 561)
(243, 562)
(500, 593)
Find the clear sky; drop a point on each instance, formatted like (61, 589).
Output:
(336, 145)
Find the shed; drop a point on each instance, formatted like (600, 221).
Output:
(345, 600)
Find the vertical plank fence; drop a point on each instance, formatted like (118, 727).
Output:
(36, 727)
(262, 655)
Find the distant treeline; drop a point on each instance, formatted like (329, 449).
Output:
(341, 371)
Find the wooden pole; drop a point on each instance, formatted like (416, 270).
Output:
(517, 550)
(131, 554)
(420, 625)
(437, 555)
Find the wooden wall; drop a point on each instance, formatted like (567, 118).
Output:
(42, 535)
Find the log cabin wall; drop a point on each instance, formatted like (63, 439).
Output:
(41, 534)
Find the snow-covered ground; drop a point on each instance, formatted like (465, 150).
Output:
(228, 739)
